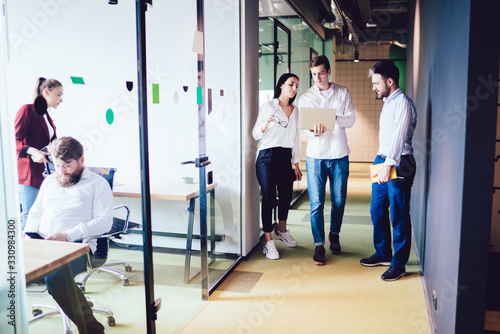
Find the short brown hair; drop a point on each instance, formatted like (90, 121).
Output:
(387, 69)
(66, 149)
(320, 60)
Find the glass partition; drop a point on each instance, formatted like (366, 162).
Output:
(13, 304)
(97, 65)
(222, 78)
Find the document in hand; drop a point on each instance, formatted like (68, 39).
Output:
(378, 167)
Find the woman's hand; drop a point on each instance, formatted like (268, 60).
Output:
(298, 173)
(269, 118)
(37, 155)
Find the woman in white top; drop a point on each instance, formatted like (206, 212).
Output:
(277, 131)
(34, 131)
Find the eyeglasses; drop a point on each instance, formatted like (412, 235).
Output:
(280, 122)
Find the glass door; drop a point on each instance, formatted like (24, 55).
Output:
(282, 50)
(275, 55)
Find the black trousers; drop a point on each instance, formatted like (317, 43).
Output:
(56, 285)
(274, 170)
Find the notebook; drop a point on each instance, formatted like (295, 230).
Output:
(308, 117)
(377, 167)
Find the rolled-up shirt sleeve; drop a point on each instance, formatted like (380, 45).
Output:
(347, 117)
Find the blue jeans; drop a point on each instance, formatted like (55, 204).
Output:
(56, 285)
(27, 195)
(393, 195)
(318, 171)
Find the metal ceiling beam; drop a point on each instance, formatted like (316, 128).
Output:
(311, 12)
(364, 8)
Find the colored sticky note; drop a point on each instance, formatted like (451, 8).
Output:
(110, 116)
(198, 42)
(77, 80)
(156, 93)
(209, 93)
(130, 85)
(199, 95)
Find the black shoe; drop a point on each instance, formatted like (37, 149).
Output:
(319, 256)
(393, 273)
(374, 260)
(334, 243)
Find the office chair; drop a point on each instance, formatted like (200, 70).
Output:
(38, 314)
(120, 226)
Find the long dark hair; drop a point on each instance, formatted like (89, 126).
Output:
(281, 81)
(42, 83)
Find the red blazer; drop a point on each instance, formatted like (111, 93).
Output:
(31, 130)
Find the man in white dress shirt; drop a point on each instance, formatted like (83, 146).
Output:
(72, 205)
(327, 155)
(397, 123)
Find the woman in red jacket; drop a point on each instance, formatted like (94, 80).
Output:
(34, 131)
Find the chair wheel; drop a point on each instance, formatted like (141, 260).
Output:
(128, 269)
(36, 312)
(82, 288)
(111, 321)
(90, 303)
(125, 282)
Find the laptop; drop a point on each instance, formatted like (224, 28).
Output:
(308, 117)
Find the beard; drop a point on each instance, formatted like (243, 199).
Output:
(385, 93)
(68, 180)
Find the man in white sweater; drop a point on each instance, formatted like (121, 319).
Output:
(327, 155)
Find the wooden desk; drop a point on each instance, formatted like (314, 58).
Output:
(169, 191)
(177, 191)
(44, 256)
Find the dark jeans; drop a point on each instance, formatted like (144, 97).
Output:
(393, 195)
(56, 285)
(274, 171)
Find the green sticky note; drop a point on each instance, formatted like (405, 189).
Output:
(77, 80)
(156, 93)
(110, 116)
(199, 95)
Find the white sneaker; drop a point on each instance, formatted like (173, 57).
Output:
(286, 237)
(270, 250)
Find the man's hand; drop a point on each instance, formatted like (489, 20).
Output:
(59, 236)
(318, 129)
(384, 174)
(298, 173)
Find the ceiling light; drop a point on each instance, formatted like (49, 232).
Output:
(350, 36)
(371, 25)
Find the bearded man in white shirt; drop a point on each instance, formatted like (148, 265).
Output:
(72, 205)
(327, 155)
(397, 124)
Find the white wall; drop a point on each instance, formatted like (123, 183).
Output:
(96, 41)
